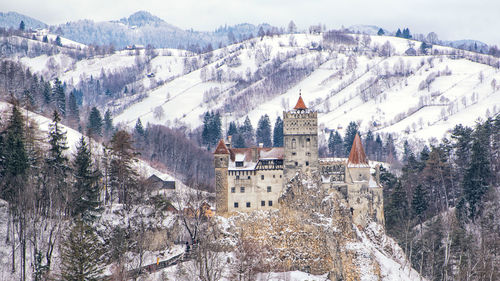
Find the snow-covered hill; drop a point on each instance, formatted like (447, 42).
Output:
(385, 88)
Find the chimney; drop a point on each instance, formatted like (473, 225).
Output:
(229, 138)
(255, 154)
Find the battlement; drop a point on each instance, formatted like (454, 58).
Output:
(300, 123)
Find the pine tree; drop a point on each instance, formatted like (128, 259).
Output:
(57, 162)
(233, 129)
(15, 159)
(477, 176)
(278, 133)
(122, 175)
(380, 32)
(22, 26)
(85, 203)
(108, 123)
(419, 203)
(263, 133)
(350, 133)
(46, 93)
(74, 113)
(94, 125)
(81, 254)
(369, 145)
(398, 33)
(139, 129)
(58, 41)
(338, 145)
(396, 209)
(247, 132)
(239, 141)
(59, 97)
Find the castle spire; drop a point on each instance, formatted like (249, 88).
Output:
(300, 103)
(221, 148)
(357, 157)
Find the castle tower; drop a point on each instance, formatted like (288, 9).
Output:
(364, 192)
(300, 137)
(358, 162)
(221, 162)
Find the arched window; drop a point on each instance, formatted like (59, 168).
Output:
(294, 143)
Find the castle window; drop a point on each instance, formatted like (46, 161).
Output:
(268, 189)
(249, 177)
(221, 159)
(294, 153)
(294, 143)
(233, 189)
(281, 176)
(270, 203)
(308, 153)
(236, 204)
(262, 177)
(274, 176)
(307, 163)
(263, 203)
(239, 163)
(296, 163)
(248, 204)
(242, 189)
(308, 141)
(237, 177)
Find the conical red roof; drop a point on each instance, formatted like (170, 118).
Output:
(221, 148)
(300, 104)
(357, 157)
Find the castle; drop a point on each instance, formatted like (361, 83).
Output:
(248, 179)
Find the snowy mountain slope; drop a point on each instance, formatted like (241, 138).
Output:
(13, 19)
(343, 83)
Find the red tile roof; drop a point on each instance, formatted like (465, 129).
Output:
(357, 157)
(300, 104)
(221, 148)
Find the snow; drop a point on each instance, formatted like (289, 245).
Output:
(400, 109)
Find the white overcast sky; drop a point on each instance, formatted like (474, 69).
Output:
(450, 19)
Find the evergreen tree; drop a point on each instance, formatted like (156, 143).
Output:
(239, 141)
(247, 132)
(398, 33)
(263, 133)
(336, 144)
(81, 254)
(476, 180)
(233, 129)
(22, 26)
(350, 133)
(212, 129)
(379, 147)
(15, 159)
(108, 123)
(74, 113)
(396, 209)
(406, 33)
(278, 133)
(139, 129)
(58, 41)
(86, 189)
(94, 125)
(46, 93)
(59, 97)
(57, 162)
(419, 203)
(380, 32)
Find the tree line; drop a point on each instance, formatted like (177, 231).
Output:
(442, 208)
